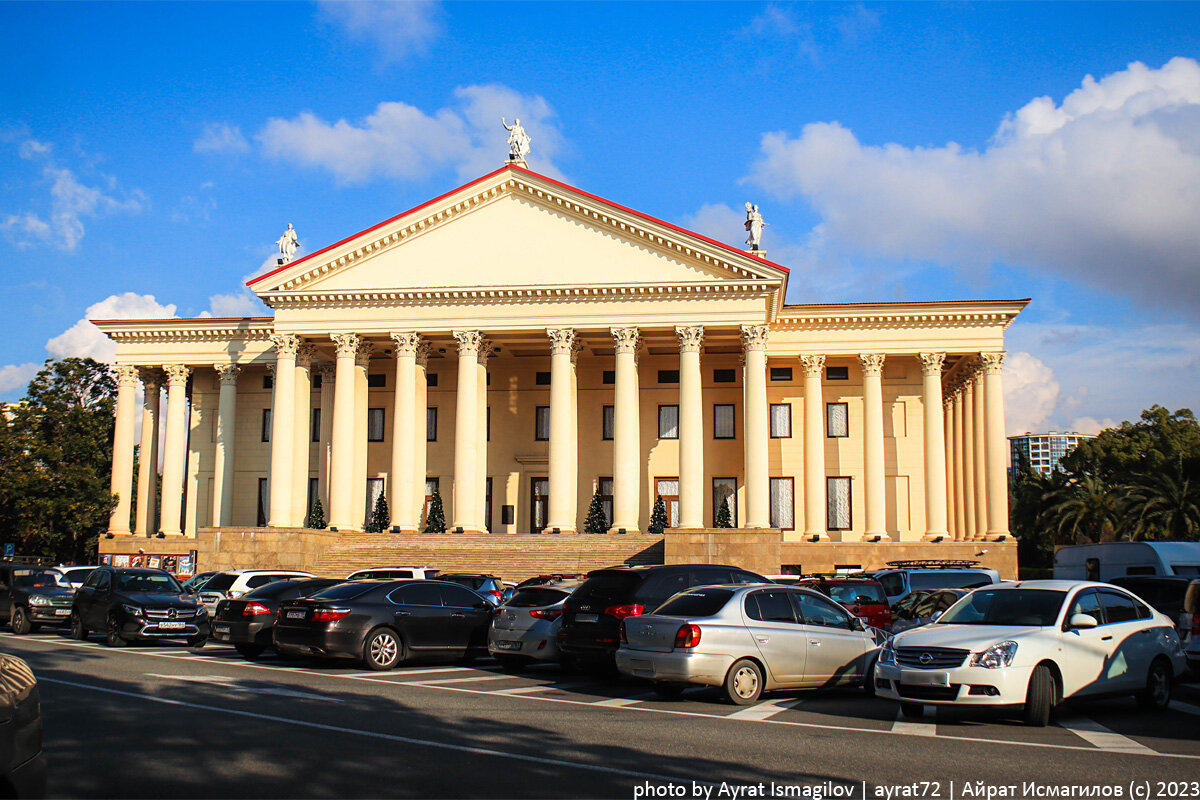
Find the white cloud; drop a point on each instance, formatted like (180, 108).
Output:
(1090, 425)
(16, 376)
(1104, 188)
(1030, 393)
(84, 340)
(32, 148)
(401, 141)
(718, 221)
(221, 137)
(398, 29)
(239, 304)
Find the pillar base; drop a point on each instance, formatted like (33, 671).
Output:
(815, 537)
(623, 530)
(937, 536)
(999, 536)
(876, 536)
(558, 530)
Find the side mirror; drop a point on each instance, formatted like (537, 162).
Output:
(1083, 621)
(936, 616)
(856, 624)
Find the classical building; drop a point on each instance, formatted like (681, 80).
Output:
(1043, 450)
(518, 345)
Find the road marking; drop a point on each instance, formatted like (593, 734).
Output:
(228, 682)
(904, 726)
(1103, 738)
(508, 755)
(446, 681)
(401, 673)
(546, 687)
(1186, 708)
(622, 702)
(766, 710)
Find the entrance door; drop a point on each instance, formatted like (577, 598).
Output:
(539, 502)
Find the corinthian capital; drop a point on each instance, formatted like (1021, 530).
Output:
(992, 363)
(627, 340)
(469, 343)
(485, 350)
(328, 374)
(562, 341)
(305, 355)
(152, 378)
(931, 363)
(406, 343)
(365, 351)
(872, 364)
(346, 344)
(754, 337)
(813, 364)
(177, 374)
(127, 375)
(424, 351)
(691, 338)
(286, 344)
(227, 373)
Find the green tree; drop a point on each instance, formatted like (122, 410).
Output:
(724, 516)
(1164, 505)
(316, 516)
(658, 517)
(1083, 510)
(436, 521)
(1156, 442)
(1027, 492)
(597, 520)
(381, 518)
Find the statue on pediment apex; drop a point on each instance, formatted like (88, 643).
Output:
(287, 244)
(518, 140)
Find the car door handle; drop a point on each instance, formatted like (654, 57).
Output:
(1106, 638)
(402, 613)
(763, 639)
(815, 642)
(458, 614)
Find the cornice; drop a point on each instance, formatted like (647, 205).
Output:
(187, 330)
(938, 314)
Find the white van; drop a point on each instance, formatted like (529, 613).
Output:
(1100, 562)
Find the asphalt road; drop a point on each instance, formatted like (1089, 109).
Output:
(167, 721)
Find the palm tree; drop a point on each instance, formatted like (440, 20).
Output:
(1083, 510)
(1164, 505)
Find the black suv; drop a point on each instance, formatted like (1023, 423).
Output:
(130, 604)
(31, 596)
(591, 620)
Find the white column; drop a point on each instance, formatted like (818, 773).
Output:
(935, 447)
(341, 455)
(122, 456)
(691, 428)
(563, 504)
(325, 449)
(283, 430)
(481, 448)
(174, 449)
(403, 431)
(358, 492)
(224, 448)
(814, 448)
(626, 432)
(980, 465)
(758, 431)
(147, 488)
(466, 422)
(968, 459)
(997, 446)
(959, 482)
(420, 442)
(873, 466)
(302, 450)
(948, 439)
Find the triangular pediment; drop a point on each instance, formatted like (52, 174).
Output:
(518, 230)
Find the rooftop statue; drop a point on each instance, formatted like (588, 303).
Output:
(754, 224)
(287, 244)
(518, 140)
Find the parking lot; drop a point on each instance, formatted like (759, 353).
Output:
(150, 721)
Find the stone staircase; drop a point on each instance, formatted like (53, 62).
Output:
(508, 556)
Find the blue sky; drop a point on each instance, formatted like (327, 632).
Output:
(150, 154)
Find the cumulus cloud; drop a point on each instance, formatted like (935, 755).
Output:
(84, 340)
(16, 376)
(1030, 393)
(401, 141)
(221, 137)
(398, 29)
(1103, 188)
(718, 221)
(238, 304)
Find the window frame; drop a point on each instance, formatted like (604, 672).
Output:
(829, 482)
(771, 421)
(431, 423)
(829, 409)
(732, 420)
(733, 509)
(608, 423)
(267, 419)
(661, 407)
(772, 482)
(538, 412)
(378, 414)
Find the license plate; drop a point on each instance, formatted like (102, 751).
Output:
(171, 626)
(61, 612)
(587, 617)
(295, 615)
(941, 679)
(221, 630)
(507, 644)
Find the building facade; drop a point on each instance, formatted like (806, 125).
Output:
(1043, 450)
(519, 345)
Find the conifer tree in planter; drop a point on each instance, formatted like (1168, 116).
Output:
(436, 521)
(381, 518)
(658, 517)
(596, 521)
(724, 516)
(316, 516)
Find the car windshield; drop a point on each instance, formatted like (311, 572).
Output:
(220, 582)
(700, 603)
(37, 578)
(1027, 607)
(851, 593)
(536, 597)
(77, 574)
(161, 583)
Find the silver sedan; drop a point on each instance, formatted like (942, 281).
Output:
(747, 640)
(525, 629)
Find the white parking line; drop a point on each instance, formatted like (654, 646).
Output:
(403, 673)
(909, 728)
(546, 687)
(447, 681)
(1101, 737)
(621, 702)
(766, 710)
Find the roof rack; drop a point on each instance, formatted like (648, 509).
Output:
(933, 563)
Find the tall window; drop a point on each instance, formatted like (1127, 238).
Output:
(781, 373)
(313, 487)
(783, 506)
(374, 492)
(837, 504)
(668, 422)
(431, 488)
(725, 489)
(837, 420)
(431, 424)
(668, 490)
(487, 505)
(837, 373)
(262, 502)
(781, 420)
(541, 424)
(266, 425)
(723, 426)
(539, 491)
(605, 488)
(724, 376)
(374, 424)
(608, 422)
(316, 425)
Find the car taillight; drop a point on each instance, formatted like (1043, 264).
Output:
(330, 614)
(624, 638)
(686, 636)
(546, 613)
(496, 594)
(254, 610)
(621, 612)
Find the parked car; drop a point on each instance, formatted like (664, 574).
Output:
(1191, 647)
(22, 765)
(232, 584)
(195, 583)
(591, 620)
(392, 573)
(488, 586)
(786, 580)
(1034, 644)
(76, 575)
(558, 577)
(248, 622)
(1165, 593)
(1106, 560)
(33, 596)
(129, 604)
(747, 640)
(929, 606)
(525, 628)
(863, 597)
(384, 623)
(902, 577)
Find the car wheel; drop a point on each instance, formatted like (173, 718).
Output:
(1040, 698)
(668, 691)
(744, 683)
(382, 650)
(113, 635)
(868, 684)
(510, 663)
(912, 710)
(197, 641)
(20, 621)
(77, 630)
(1157, 694)
(249, 651)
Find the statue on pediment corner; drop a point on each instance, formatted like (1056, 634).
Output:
(755, 225)
(287, 244)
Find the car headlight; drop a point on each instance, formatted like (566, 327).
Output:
(201, 611)
(135, 611)
(998, 655)
(39, 600)
(888, 654)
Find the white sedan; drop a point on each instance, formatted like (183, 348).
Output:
(1034, 643)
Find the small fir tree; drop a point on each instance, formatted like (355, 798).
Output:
(436, 521)
(381, 518)
(724, 516)
(596, 521)
(316, 516)
(658, 517)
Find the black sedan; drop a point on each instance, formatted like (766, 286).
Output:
(383, 623)
(248, 622)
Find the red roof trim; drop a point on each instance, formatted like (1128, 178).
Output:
(539, 176)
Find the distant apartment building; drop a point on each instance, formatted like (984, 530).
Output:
(1044, 450)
